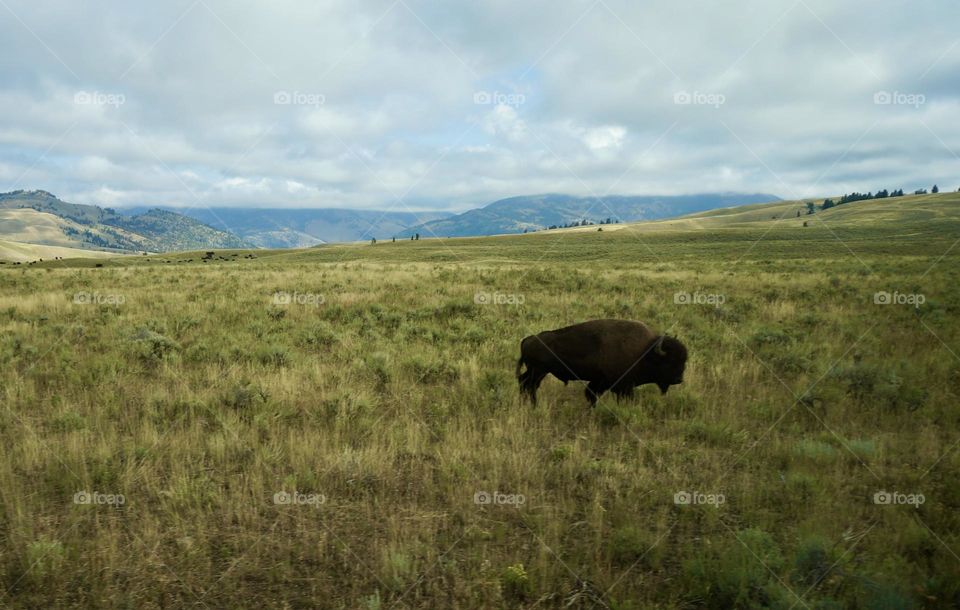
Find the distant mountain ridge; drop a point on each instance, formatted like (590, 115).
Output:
(39, 217)
(305, 227)
(92, 227)
(537, 212)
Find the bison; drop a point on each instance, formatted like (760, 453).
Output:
(616, 355)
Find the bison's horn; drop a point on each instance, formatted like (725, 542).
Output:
(659, 346)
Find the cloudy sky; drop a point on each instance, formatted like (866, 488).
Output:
(406, 104)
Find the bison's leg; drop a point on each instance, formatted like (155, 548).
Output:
(594, 391)
(623, 393)
(530, 381)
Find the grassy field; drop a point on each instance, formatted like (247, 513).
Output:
(340, 427)
(12, 252)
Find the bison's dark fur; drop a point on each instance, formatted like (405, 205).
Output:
(616, 355)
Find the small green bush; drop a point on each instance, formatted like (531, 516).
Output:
(515, 583)
(737, 572)
(630, 544)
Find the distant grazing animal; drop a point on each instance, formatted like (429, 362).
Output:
(616, 355)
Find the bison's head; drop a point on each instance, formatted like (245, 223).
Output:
(669, 358)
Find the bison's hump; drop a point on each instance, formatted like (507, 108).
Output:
(603, 342)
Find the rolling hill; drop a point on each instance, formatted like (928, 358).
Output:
(904, 211)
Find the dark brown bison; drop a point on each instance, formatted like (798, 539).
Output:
(616, 355)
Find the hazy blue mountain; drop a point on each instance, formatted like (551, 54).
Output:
(535, 212)
(293, 228)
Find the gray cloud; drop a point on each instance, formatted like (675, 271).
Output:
(448, 106)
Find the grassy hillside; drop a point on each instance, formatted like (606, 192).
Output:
(323, 427)
(31, 226)
(12, 252)
(907, 209)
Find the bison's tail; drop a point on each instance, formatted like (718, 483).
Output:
(519, 366)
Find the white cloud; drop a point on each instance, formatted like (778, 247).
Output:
(505, 121)
(600, 138)
(394, 110)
